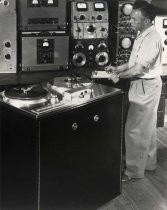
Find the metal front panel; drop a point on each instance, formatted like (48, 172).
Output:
(89, 23)
(8, 37)
(90, 53)
(42, 16)
(7, 6)
(36, 58)
(90, 14)
(123, 35)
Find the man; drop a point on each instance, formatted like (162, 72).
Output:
(144, 69)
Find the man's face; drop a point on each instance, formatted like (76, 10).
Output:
(137, 20)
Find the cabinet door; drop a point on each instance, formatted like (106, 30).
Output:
(18, 161)
(80, 156)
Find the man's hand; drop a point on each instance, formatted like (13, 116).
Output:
(110, 68)
(113, 76)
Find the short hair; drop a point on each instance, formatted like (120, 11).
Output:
(148, 10)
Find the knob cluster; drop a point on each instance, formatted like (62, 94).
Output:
(7, 47)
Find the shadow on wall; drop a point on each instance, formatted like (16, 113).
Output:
(161, 5)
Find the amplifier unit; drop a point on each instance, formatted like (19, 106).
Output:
(91, 53)
(41, 53)
(122, 35)
(90, 30)
(8, 37)
(89, 19)
(42, 15)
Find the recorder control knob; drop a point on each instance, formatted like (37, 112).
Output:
(74, 126)
(96, 118)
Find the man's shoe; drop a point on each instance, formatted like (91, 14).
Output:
(126, 178)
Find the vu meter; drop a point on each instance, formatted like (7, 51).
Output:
(99, 6)
(82, 6)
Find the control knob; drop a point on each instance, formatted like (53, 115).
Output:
(91, 47)
(102, 46)
(6, 3)
(79, 46)
(82, 17)
(99, 17)
(91, 29)
(78, 30)
(102, 29)
(7, 44)
(8, 56)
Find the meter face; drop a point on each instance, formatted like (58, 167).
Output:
(82, 6)
(164, 23)
(99, 6)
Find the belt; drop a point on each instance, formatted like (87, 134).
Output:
(137, 78)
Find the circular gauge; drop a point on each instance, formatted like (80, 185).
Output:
(102, 58)
(127, 9)
(79, 59)
(126, 43)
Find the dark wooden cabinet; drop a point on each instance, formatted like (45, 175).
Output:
(66, 160)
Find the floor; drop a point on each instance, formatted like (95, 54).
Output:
(149, 193)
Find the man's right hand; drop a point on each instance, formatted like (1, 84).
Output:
(110, 68)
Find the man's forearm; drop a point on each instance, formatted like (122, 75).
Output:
(123, 67)
(132, 72)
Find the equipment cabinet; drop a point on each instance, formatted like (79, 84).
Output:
(64, 160)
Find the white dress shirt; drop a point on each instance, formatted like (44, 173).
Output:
(147, 51)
